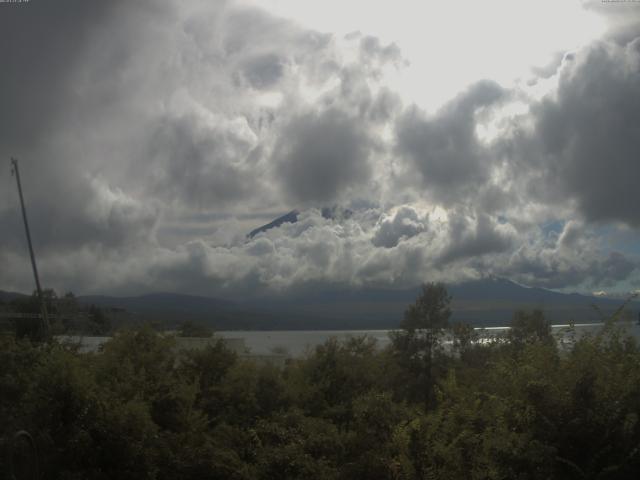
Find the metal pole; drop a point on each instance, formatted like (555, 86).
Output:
(43, 307)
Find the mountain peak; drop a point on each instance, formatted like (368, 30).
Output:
(291, 217)
(335, 212)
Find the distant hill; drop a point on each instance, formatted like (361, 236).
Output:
(493, 301)
(8, 296)
(160, 302)
(172, 308)
(487, 302)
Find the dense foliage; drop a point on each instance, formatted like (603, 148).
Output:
(517, 407)
(66, 316)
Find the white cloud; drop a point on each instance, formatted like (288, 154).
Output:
(166, 131)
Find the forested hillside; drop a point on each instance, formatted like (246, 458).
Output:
(518, 407)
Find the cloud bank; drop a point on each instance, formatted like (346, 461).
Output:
(153, 136)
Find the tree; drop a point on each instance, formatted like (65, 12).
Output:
(189, 328)
(335, 374)
(529, 327)
(32, 328)
(420, 338)
(464, 337)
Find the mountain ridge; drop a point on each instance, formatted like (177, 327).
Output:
(485, 302)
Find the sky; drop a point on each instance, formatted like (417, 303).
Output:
(451, 140)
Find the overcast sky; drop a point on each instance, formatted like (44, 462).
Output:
(455, 140)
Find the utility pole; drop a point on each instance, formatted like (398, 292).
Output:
(43, 307)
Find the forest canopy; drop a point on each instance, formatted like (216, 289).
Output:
(520, 406)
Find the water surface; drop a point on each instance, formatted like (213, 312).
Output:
(298, 342)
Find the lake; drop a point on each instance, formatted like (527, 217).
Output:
(297, 342)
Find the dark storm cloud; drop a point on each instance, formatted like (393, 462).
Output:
(127, 114)
(42, 41)
(135, 120)
(86, 93)
(613, 268)
(264, 45)
(197, 163)
(444, 148)
(44, 121)
(320, 156)
(263, 71)
(471, 238)
(550, 271)
(576, 255)
(405, 223)
(571, 235)
(384, 106)
(91, 214)
(587, 136)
